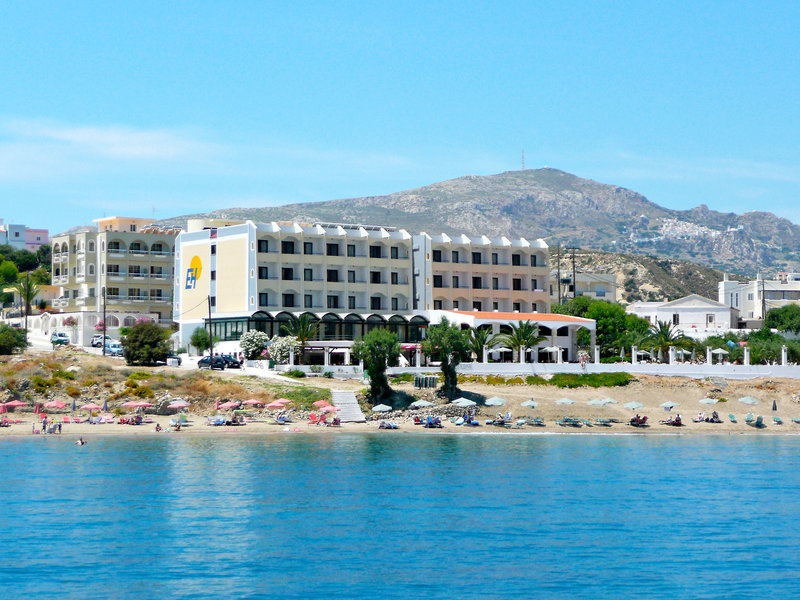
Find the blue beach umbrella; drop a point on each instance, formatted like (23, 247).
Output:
(633, 405)
(565, 401)
(709, 401)
(669, 404)
(495, 401)
(748, 400)
(532, 403)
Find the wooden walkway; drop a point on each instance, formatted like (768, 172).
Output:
(351, 412)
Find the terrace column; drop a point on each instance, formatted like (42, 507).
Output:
(485, 354)
(560, 357)
(784, 356)
(709, 356)
(522, 352)
(326, 353)
(596, 355)
(347, 357)
(633, 355)
(291, 357)
(746, 358)
(593, 343)
(535, 354)
(418, 357)
(672, 355)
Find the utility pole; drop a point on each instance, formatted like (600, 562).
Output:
(104, 320)
(210, 335)
(763, 302)
(558, 271)
(27, 297)
(574, 272)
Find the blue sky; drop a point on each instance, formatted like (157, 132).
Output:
(167, 108)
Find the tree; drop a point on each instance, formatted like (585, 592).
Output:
(304, 328)
(577, 307)
(786, 318)
(41, 276)
(523, 335)
(253, 344)
(663, 335)
(25, 260)
(200, 339)
(44, 255)
(378, 349)
(11, 339)
(146, 344)
(480, 337)
(8, 272)
(451, 345)
(27, 289)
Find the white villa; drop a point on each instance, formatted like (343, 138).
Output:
(696, 316)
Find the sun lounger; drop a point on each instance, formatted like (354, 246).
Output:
(777, 420)
(603, 422)
(65, 420)
(732, 417)
(313, 419)
(537, 422)
(795, 420)
(749, 418)
(760, 422)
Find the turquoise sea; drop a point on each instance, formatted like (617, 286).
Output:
(401, 516)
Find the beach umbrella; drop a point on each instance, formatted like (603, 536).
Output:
(276, 404)
(565, 401)
(3, 409)
(709, 401)
(178, 404)
(105, 405)
(91, 406)
(551, 349)
(216, 404)
(420, 404)
(320, 403)
(719, 351)
(495, 401)
(142, 404)
(329, 409)
(660, 355)
(596, 402)
(381, 408)
(227, 405)
(633, 405)
(694, 354)
(622, 353)
(54, 404)
(73, 405)
(532, 403)
(774, 405)
(748, 400)
(463, 402)
(130, 404)
(669, 404)
(681, 352)
(16, 403)
(254, 402)
(500, 349)
(609, 401)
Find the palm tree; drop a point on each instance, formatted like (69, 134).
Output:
(27, 289)
(523, 335)
(478, 338)
(304, 328)
(664, 334)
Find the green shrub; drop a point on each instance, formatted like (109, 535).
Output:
(315, 368)
(595, 380)
(73, 391)
(143, 391)
(402, 378)
(63, 375)
(89, 382)
(130, 383)
(328, 374)
(536, 380)
(139, 375)
(296, 373)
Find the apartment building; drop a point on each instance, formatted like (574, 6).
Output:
(20, 237)
(597, 286)
(480, 274)
(129, 258)
(755, 298)
(257, 276)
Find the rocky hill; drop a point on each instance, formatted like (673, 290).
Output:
(564, 208)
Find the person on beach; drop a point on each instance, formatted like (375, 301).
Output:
(80, 442)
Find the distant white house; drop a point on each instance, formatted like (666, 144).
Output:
(753, 298)
(695, 315)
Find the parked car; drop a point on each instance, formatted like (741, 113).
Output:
(114, 349)
(97, 340)
(59, 339)
(231, 363)
(170, 355)
(208, 363)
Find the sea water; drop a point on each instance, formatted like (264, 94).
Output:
(400, 516)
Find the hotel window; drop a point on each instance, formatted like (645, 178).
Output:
(213, 300)
(263, 245)
(263, 272)
(213, 249)
(534, 284)
(437, 281)
(455, 304)
(287, 273)
(333, 301)
(91, 246)
(395, 304)
(437, 256)
(516, 283)
(455, 281)
(534, 260)
(308, 248)
(517, 307)
(495, 283)
(287, 247)
(308, 274)
(351, 249)
(351, 302)
(495, 306)
(288, 300)
(534, 307)
(351, 277)
(395, 252)
(676, 319)
(332, 249)
(133, 228)
(495, 258)
(213, 275)
(91, 269)
(477, 306)
(516, 260)
(333, 275)
(477, 283)
(437, 305)
(454, 256)
(375, 251)
(374, 276)
(476, 258)
(395, 278)
(308, 301)
(263, 299)
(375, 303)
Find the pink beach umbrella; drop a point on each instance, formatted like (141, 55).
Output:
(179, 404)
(143, 404)
(275, 404)
(321, 403)
(253, 402)
(55, 404)
(329, 409)
(16, 403)
(91, 406)
(216, 404)
(131, 404)
(228, 405)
